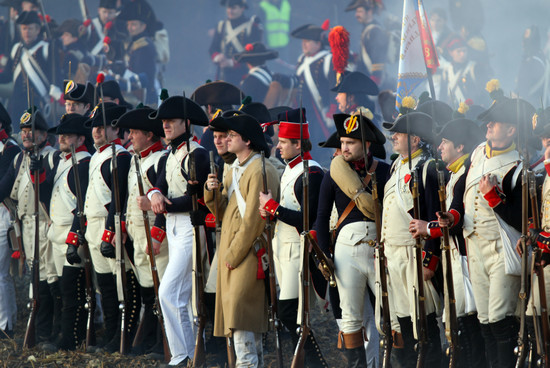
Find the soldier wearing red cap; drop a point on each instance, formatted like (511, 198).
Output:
(294, 147)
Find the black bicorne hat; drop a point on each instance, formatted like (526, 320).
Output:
(244, 124)
(255, 53)
(462, 131)
(356, 83)
(218, 93)
(139, 119)
(420, 124)
(112, 112)
(73, 91)
(173, 108)
(39, 121)
(71, 124)
(440, 112)
(111, 89)
(28, 17)
(349, 126)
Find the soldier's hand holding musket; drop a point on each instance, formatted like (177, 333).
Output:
(264, 198)
(418, 228)
(159, 202)
(445, 219)
(144, 203)
(212, 182)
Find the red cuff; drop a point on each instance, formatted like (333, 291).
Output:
(456, 216)
(158, 234)
(41, 177)
(214, 55)
(493, 197)
(210, 221)
(72, 238)
(435, 230)
(107, 236)
(547, 167)
(16, 255)
(429, 260)
(153, 188)
(271, 206)
(313, 234)
(123, 226)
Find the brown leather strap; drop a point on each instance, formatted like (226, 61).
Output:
(351, 204)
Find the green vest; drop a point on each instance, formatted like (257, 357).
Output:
(277, 23)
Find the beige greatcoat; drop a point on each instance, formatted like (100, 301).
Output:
(241, 302)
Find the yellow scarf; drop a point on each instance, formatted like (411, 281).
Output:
(489, 152)
(458, 163)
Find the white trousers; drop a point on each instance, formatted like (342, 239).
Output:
(8, 307)
(175, 288)
(142, 264)
(496, 293)
(57, 235)
(248, 349)
(286, 256)
(94, 233)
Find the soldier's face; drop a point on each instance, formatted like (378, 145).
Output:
(68, 39)
(342, 99)
(102, 137)
(135, 27)
(29, 32)
(400, 143)
(106, 15)
(449, 152)
(363, 15)
(310, 47)
(68, 140)
(27, 138)
(173, 128)
(73, 107)
(351, 149)
(140, 139)
(234, 12)
(500, 135)
(220, 141)
(235, 142)
(288, 149)
(459, 55)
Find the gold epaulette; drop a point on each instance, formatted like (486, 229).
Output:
(139, 43)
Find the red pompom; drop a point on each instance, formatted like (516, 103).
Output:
(16, 255)
(100, 78)
(326, 25)
(48, 18)
(338, 39)
(87, 22)
(107, 40)
(469, 102)
(249, 47)
(108, 25)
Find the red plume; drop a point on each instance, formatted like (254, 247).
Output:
(100, 78)
(249, 47)
(469, 102)
(48, 18)
(107, 40)
(87, 22)
(338, 39)
(108, 25)
(326, 24)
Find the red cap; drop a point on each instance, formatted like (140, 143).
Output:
(291, 130)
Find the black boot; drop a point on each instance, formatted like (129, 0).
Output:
(407, 357)
(490, 345)
(109, 303)
(356, 357)
(44, 315)
(353, 345)
(506, 333)
(471, 342)
(433, 355)
(288, 310)
(314, 357)
(532, 340)
(57, 306)
(147, 330)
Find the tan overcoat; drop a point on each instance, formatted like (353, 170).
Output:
(241, 302)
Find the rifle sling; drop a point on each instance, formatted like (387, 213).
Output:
(351, 204)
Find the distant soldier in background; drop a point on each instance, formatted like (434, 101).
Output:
(231, 36)
(105, 24)
(533, 79)
(256, 83)
(78, 97)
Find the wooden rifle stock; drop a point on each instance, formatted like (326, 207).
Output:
(29, 340)
(154, 272)
(199, 358)
(322, 259)
(451, 325)
(386, 330)
(88, 268)
(274, 313)
(18, 241)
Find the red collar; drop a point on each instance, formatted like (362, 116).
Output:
(3, 135)
(296, 160)
(82, 148)
(155, 147)
(359, 165)
(116, 141)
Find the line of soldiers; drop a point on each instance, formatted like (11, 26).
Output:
(482, 207)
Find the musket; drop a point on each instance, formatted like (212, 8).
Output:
(273, 310)
(522, 350)
(451, 324)
(29, 340)
(119, 253)
(52, 40)
(199, 358)
(16, 236)
(544, 345)
(231, 359)
(299, 353)
(321, 258)
(422, 323)
(84, 9)
(152, 260)
(386, 329)
(88, 267)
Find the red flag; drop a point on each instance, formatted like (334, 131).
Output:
(428, 46)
